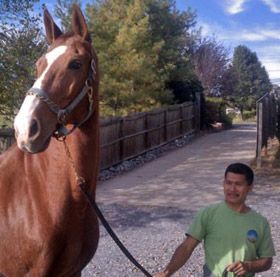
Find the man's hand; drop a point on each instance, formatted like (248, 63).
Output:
(180, 257)
(239, 268)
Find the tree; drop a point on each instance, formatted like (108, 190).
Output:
(177, 32)
(210, 61)
(252, 78)
(21, 43)
(63, 11)
(144, 48)
(128, 57)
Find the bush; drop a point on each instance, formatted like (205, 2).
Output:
(4, 122)
(248, 114)
(214, 111)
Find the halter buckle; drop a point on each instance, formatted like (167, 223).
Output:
(61, 116)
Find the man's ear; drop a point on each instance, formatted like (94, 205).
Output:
(79, 26)
(52, 31)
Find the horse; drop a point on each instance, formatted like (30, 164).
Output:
(47, 227)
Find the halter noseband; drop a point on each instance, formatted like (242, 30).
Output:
(62, 114)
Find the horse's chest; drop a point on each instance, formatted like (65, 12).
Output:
(34, 237)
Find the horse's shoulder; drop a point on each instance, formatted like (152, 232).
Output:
(11, 158)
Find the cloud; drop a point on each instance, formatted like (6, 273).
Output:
(272, 66)
(274, 5)
(268, 54)
(258, 34)
(270, 57)
(235, 6)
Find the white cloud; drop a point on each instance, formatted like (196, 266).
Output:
(268, 54)
(260, 35)
(250, 36)
(237, 35)
(238, 6)
(274, 5)
(235, 6)
(272, 68)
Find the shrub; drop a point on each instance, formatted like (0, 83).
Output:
(214, 110)
(248, 114)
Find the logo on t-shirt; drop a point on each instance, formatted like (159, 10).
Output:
(252, 236)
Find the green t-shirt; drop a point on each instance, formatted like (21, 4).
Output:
(230, 236)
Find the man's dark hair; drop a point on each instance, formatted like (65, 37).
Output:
(243, 169)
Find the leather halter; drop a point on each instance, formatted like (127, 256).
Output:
(63, 113)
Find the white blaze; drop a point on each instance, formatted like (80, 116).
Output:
(23, 119)
(51, 57)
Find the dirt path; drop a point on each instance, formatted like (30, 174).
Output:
(150, 207)
(179, 177)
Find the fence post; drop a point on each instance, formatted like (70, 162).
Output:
(259, 133)
(182, 119)
(146, 136)
(165, 125)
(121, 142)
(197, 111)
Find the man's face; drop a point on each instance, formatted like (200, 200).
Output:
(236, 188)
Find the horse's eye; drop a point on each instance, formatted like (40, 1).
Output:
(74, 65)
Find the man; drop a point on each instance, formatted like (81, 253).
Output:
(237, 240)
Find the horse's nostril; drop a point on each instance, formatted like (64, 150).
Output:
(34, 128)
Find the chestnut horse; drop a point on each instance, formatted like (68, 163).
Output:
(46, 225)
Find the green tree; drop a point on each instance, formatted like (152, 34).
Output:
(21, 43)
(143, 48)
(63, 11)
(252, 78)
(177, 31)
(128, 57)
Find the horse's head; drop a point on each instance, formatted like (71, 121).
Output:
(61, 95)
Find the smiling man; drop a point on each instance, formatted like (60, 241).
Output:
(237, 240)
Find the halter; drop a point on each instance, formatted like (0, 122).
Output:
(62, 114)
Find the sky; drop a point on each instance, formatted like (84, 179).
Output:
(254, 23)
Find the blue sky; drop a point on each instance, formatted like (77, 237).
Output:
(254, 23)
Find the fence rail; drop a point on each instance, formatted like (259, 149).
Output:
(6, 138)
(123, 138)
(268, 121)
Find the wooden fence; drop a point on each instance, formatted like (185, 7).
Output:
(123, 138)
(6, 138)
(268, 121)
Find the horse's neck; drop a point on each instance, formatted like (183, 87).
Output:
(84, 149)
(82, 158)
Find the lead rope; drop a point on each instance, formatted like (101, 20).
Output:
(225, 273)
(82, 184)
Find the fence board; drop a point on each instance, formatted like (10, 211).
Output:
(110, 142)
(156, 126)
(268, 111)
(126, 137)
(134, 129)
(6, 138)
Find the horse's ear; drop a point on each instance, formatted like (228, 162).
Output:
(79, 25)
(52, 31)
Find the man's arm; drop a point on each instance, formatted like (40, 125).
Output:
(242, 268)
(180, 257)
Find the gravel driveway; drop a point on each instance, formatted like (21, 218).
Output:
(151, 207)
